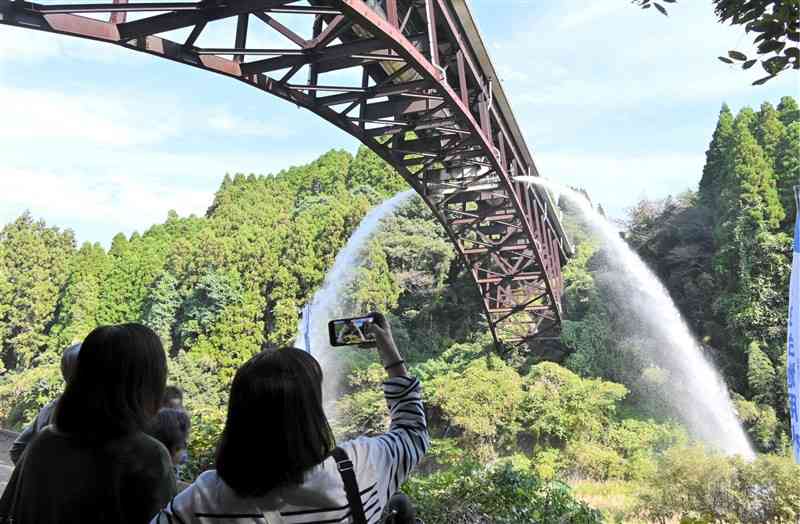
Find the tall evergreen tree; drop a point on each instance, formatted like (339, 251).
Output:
(368, 169)
(760, 375)
(161, 308)
(769, 129)
(750, 263)
(35, 259)
(78, 307)
(115, 289)
(716, 158)
(749, 190)
(788, 110)
(787, 171)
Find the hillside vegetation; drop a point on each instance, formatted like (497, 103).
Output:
(511, 434)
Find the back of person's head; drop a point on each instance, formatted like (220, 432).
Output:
(276, 428)
(171, 427)
(69, 362)
(118, 384)
(173, 398)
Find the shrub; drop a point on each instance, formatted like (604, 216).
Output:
(23, 394)
(548, 463)
(481, 402)
(592, 460)
(559, 406)
(501, 494)
(696, 485)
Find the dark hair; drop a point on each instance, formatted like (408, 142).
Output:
(172, 393)
(170, 427)
(118, 384)
(276, 428)
(69, 362)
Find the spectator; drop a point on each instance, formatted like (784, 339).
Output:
(277, 459)
(94, 463)
(173, 398)
(69, 361)
(171, 427)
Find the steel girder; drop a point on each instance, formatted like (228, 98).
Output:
(420, 92)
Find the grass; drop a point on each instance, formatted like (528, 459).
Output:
(616, 499)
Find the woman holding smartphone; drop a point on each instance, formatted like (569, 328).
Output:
(277, 461)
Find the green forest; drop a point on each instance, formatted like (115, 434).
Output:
(577, 431)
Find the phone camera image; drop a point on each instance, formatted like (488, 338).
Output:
(351, 331)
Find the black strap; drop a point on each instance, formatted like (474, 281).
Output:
(345, 466)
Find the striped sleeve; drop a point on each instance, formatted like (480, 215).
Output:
(407, 440)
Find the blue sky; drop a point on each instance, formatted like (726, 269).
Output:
(611, 98)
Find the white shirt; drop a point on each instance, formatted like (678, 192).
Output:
(381, 464)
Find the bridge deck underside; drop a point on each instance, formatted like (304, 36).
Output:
(403, 78)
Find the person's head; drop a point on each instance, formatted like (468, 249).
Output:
(69, 362)
(173, 398)
(171, 428)
(117, 386)
(276, 428)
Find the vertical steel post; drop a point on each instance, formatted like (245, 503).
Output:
(391, 12)
(241, 35)
(363, 106)
(119, 17)
(462, 78)
(432, 38)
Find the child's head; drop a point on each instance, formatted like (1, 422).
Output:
(171, 428)
(173, 398)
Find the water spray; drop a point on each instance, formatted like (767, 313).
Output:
(328, 302)
(708, 410)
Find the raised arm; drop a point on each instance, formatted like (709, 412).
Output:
(407, 440)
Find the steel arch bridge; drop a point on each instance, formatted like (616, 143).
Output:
(412, 80)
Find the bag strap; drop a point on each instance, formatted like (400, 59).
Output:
(345, 467)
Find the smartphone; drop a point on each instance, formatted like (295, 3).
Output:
(351, 331)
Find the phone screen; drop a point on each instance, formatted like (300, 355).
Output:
(351, 331)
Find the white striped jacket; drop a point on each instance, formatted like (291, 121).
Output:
(381, 465)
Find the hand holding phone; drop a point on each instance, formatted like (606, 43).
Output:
(369, 331)
(387, 349)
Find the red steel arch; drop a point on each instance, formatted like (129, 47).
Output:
(420, 91)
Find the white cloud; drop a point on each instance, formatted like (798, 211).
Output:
(26, 46)
(101, 191)
(614, 55)
(34, 115)
(119, 201)
(617, 181)
(622, 101)
(225, 121)
(118, 119)
(581, 16)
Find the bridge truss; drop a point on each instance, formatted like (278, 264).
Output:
(412, 80)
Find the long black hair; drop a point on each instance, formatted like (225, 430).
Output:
(276, 429)
(118, 384)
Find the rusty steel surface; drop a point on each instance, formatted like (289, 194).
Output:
(408, 78)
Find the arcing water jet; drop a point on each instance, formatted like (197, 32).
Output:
(328, 301)
(708, 411)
